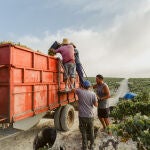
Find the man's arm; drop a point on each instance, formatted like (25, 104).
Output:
(53, 51)
(94, 86)
(95, 101)
(96, 104)
(75, 90)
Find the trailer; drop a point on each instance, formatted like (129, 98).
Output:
(31, 84)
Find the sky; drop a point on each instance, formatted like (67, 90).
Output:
(112, 36)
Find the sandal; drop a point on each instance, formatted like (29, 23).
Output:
(102, 130)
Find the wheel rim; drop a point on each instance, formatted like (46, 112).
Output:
(70, 118)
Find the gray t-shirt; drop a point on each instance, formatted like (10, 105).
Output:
(104, 103)
(86, 101)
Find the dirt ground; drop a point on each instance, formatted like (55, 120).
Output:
(19, 140)
(70, 140)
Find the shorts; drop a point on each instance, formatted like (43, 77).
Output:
(103, 112)
(70, 70)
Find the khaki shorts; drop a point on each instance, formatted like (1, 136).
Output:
(70, 70)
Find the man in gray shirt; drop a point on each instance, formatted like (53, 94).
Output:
(87, 101)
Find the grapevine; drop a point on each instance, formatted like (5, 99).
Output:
(136, 127)
(132, 117)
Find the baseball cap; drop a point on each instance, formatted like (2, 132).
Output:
(86, 83)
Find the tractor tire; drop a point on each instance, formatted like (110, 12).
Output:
(67, 117)
(57, 118)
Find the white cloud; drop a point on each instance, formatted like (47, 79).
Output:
(120, 50)
(99, 52)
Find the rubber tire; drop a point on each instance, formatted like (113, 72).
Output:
(67, 117)
(57, 118)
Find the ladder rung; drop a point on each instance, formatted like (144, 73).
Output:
(64, 91)
(2, 119)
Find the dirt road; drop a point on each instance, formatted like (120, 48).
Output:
(120, 92)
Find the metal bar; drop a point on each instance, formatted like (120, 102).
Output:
(48, 95)
(33, 60)
(23, 75)
(32, 98)
(3, 66)
(59, 69)
(2, 119)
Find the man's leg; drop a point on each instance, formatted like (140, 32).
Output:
(82, 127)
(72, 72)
(103, 115)
(106, 116)
(107, 122)
(102, 122)
(84, 140)
(66, 79)
(72, 82)
(100, 116)
(90, 129)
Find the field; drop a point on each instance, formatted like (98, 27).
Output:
(130, 122)
(113, 83)
(132, 117)
(140, 86)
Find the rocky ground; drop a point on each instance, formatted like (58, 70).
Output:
(12, 139)
(70, 140)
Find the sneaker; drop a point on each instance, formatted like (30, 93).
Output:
(102, 130)
(92, 147)
(67, 89)
(72, 86)
(84, 148)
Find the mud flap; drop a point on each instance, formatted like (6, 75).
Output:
(28, 123)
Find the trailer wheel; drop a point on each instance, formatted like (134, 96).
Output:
(57, 118)
(67, 117)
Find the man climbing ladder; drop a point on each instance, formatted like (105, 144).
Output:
(67, 52)
(71, 62)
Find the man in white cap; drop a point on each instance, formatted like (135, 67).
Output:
(67, 52)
